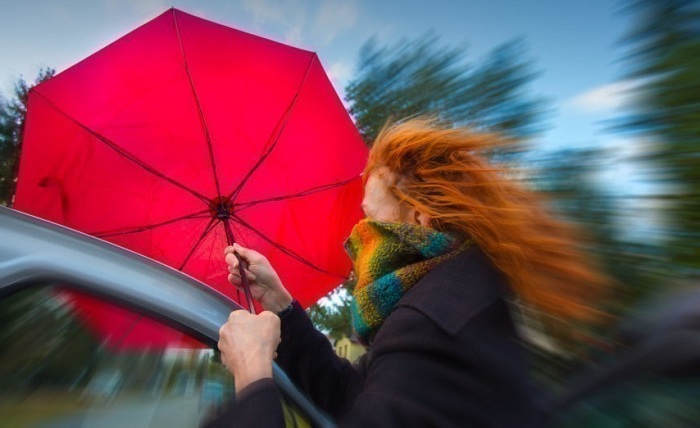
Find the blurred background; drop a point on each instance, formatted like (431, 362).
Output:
(600, 98)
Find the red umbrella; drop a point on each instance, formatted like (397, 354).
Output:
(184, 135)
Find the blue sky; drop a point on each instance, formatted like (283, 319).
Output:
(575, 43)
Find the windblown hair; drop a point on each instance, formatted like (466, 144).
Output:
(442, 174)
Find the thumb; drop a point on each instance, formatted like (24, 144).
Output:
(245, 253)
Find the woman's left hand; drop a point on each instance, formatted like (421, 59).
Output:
(248, 344)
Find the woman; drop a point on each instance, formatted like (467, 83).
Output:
(447, 239)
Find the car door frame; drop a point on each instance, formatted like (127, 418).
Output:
(35, 251)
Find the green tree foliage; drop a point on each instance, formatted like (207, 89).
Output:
(333, 314)
(8, 152)
(12, 116)
(569, 178)
(41, 340)
(424, 77)
(664, 54)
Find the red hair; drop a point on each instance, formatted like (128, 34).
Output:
(441, 174)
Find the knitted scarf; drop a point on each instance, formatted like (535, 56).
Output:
(389, 259)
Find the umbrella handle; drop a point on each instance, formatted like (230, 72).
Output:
(242, 265)
(244, 280)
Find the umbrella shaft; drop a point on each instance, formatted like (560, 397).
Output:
(241, 268)
(246, 286)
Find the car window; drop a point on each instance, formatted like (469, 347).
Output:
(70, 359)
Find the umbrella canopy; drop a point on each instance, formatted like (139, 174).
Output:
(184, 135)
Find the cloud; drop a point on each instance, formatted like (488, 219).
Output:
(630, 148)
(605, 98)
(333, 17)
(290, 16)
(339, 72)
(302, 21)
(264, 11)
(145, 8)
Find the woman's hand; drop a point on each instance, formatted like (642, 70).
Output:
(265, 284)
(248, 344)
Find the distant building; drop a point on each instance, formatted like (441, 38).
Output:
(349, 348)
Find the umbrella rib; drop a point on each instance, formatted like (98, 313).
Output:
(276, 133)
(212, 223)
(282, 248)
(123, 152)
(128, 331)
(200, 112)
(243, 205)
(137, 229)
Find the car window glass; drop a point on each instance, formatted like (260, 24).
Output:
(69, 359)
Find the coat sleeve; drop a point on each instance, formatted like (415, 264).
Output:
(307, 357)
(257, 405)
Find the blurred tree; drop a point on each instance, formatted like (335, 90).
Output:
(570, 179)
(8, 151)
(424, 77)
(12, 116)
(41, 340)
(333, 315)
(664, 55)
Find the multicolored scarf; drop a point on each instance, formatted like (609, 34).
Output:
(389, 259)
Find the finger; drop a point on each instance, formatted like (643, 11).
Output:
(234, 279)
(231, 260)
(228, 249)
(245, 253)
(222, 336)
(248, 274)
(239, 286)
(236, 314)
(234, 270)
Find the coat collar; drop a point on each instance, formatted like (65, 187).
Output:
(457, 290)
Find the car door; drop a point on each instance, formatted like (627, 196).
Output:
(156, 363)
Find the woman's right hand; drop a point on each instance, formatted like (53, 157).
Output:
(265, 284)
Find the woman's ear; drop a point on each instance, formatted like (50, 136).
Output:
(421, 218)
(411, 215)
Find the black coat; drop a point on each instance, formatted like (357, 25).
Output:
(448, 355)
